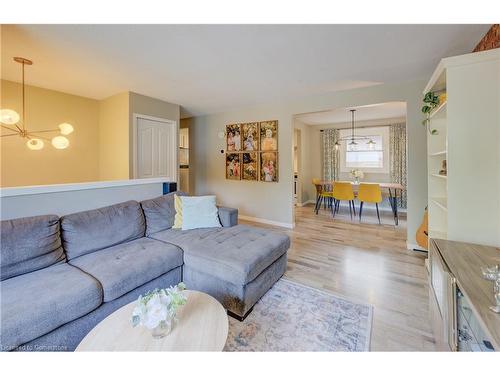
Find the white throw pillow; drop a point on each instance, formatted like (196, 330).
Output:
(199, 212)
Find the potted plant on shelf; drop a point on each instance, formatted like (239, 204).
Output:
(431, 101)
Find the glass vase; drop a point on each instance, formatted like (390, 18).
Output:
(163, 329)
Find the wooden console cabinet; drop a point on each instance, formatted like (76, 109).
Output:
(459, 298)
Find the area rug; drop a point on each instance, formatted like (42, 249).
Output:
(295, 317)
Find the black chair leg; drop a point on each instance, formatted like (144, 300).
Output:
(360, 210)
(332, 207)
(354, 208)
(378, 214)
(318, 204)
(350, 209)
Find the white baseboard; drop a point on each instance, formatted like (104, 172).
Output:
(265, 221)
(305, 203)
(414, 246)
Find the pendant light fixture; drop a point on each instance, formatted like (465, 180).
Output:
(352, 145)
(10, 120)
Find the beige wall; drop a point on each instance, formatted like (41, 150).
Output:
(274, 201)
(270, 201)
(100, 147)
(46, 109)
(114, 137)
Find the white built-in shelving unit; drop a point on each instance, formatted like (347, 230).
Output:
(464, 205)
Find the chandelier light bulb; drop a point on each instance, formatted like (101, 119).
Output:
(60, 142)
(35, 144)
(66, 128)
(352, 146)
(9, 116)
(337, 146)
(371, 144)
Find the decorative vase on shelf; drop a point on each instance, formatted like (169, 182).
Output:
(157, 310)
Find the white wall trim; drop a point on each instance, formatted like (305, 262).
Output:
(45, 189)
(305, 203)
(174, 164)
(265, 221)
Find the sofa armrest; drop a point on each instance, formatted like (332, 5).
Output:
(228, 216)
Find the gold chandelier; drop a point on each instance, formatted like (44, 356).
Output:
(10, 120)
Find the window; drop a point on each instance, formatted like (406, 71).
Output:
(370, 161)
(363, 157)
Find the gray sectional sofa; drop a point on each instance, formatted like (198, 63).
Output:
(62, 276)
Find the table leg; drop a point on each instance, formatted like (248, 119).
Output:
(393, 200)
(396, 217)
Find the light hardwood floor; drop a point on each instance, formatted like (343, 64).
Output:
(368, 263)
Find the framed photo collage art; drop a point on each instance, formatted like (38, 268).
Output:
(252, 151)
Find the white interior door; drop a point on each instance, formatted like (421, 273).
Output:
(156, 148)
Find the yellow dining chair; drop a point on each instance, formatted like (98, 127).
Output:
(369, 193)
(342, 191)
(321, 194)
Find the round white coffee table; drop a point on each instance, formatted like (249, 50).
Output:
(202, 326)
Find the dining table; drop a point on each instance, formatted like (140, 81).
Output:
(391, 187)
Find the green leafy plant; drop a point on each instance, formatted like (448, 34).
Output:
(431, 101)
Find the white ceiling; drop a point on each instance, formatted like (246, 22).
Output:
(363, 113)
(212, 68)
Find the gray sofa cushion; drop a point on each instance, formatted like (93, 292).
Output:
(29, 244)
(160, 212)
(89, 231)
(237, 254)
(38, 302)
(124, 267)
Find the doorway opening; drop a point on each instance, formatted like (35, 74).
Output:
(359, 145)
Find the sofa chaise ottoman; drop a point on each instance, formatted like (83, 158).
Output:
(236, 264)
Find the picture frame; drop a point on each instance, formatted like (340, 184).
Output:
(233, 166)
(268, 135)
(250, 166)
(268, 166)
(250, 136)
(233, 137)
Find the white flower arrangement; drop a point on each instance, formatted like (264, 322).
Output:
(158, 307)
(356, 173)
